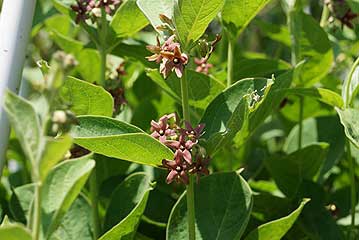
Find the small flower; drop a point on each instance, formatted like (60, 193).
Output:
(82, 8)
(59, 116)
(109, 5)
(175, 61)
(177, 169)
(200, 167)
(183, 145)
(193, 133)
(168, 46)
(202, 65)
(161, 130)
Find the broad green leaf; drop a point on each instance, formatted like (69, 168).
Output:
(223, 203)
(120, 140)
(86, 98)
(20, 202)
(315, 50)
(290, 170)
(124, 218)
(276, 229)
(63, 6)
(237, 14)
(15, 232)
(128, 19)
(153, 8)
(89, 66)
(350, 120)
(230, 113)
(321, 94)
(54, 151)
(60, 190)
(77, 223)
(25, 122)
(322, 129)
(257, 67)
(202, 89)
(275, 32)
(192, 18)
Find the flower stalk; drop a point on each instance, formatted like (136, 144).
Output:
(230, 61)
(190, 187)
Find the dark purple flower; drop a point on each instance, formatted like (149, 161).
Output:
(202, 65)
(177, 168)
(161, 130)
(82, 8)
(200, 167)
(193, 133)
(183, 145)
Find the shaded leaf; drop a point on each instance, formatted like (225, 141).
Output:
(350, 120)
(60, 190)
(223, 203)
(276, 229)
(124, 218)
(20, 202)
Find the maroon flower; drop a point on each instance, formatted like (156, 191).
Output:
(201, 165)
(177, 169)
(157, 50)
(183, 145)
(202, 65)
(109, 5)
(82, 8)
(175, 61)
(161, 129)
(193, 133)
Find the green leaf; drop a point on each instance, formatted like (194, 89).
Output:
(289, 171)
(89, 66)
(275, 32)
(350, 120)
(60, 190)
(86, 98)
(323, 95)
(124, 218)
(77, 222)
(15, 232)
(128, 19)
(25, 123)
(276, 229)
(315, 50)
(229, 114)
(237, 14)
(352, 87)
(223, 203)
(118, 139)
(20, 202)
(257, 67)
(202, 89)
(192, 17)
(322, 129)
(153, 8)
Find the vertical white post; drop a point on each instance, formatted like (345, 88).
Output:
(15, 27)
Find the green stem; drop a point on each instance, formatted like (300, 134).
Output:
(348, 83)
(352, 186)
(190, 187)
(301, 110)
(325, 15)
(230, 61)
(94, 201)
(36, 222)
(103, 55)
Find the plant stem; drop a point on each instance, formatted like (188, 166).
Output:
(348, 83)
(94, 202)
(301, 110)
(37, 212)
(190, 187)
(230, 61)
(103, 55)
(352, 186)
(325, 15)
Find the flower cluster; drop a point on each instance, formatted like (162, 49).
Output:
(169, 55)
(342, 11)
(91, 9)
(189, 157)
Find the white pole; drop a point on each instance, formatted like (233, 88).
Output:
(15, 27)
